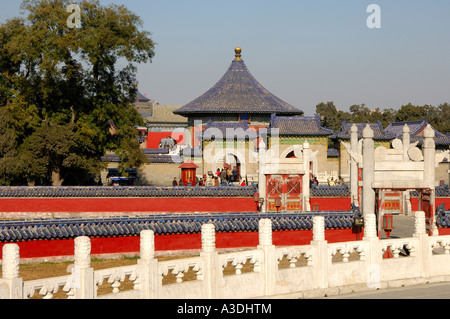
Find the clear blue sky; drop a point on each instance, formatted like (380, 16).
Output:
(305, 52)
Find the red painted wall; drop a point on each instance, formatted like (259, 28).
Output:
(331, 203)
(439, 201)
(153, 138)
(156, 204)
(53, 248)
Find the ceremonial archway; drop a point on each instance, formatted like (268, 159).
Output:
(389, 172)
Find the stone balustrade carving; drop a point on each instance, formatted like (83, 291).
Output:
(239, 259)
(348, 248)
(265, 278)
(293, 254)
(48, 287)
(180, 267)
(115, 276)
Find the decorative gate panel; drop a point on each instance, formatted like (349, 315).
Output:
(288, 188)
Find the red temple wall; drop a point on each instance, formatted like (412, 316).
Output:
(111, 205)
(153, 138)
(176, 242)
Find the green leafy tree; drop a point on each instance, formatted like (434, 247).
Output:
(330, 116)
(61, 89)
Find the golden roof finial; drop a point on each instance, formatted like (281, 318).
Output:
(238, 54)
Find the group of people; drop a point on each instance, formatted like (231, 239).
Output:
(225, 176)
(331, 182)
(191, 182)
(222, 178)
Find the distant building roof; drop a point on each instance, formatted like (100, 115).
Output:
(378, 131)
(298, 125)
(188, 165)
(153, 158)
(228, 130)
(162, 114)
(416, 131)
(141, 98)
(238, 92)
(332, 152)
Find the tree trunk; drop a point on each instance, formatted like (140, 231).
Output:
(56, 178)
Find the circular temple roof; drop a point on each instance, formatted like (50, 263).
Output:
(238, 92)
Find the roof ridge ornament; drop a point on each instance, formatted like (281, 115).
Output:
(238, 52)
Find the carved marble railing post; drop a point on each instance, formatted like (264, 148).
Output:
(373, 255)
(354, 165)
(84, 274)
(368, 202)
(320, 253)
(212, 267)
(262, 153)
(429, 152)
(406, 139)
(423, 251)
(306, 191)
(269, 266)
(148, 267)
(10, 283)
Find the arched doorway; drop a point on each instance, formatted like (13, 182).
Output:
(232, 160)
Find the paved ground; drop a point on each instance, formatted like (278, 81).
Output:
(430, 291)
(403, 227)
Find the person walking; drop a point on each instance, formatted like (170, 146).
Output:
(174, 182)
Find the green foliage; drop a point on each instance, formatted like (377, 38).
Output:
(60, 87)
(438, 117)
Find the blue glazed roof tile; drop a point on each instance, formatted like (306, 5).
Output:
(378, 132)
(228, 130)
(163, 224)
(416, 128)
(297, 125)
(332, 152)
(237, 92)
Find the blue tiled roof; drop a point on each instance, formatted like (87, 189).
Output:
(153, 158)
(378, 131)
(298, 125)
(141, 98)
(443, 216)
(192, 151)
(439, 139)
(238, 92)
(228, 130)
(416, 128)
(158, 151)
(127, 191)
(440, 191)
(330, 191)
(64, 228)
(396, 128)
(332, 152)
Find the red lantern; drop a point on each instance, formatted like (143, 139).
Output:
(277, 203)
(388, 224)
(388, 227)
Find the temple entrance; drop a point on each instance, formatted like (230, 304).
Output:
(390, 201)
(284, 193)
(232, 162)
